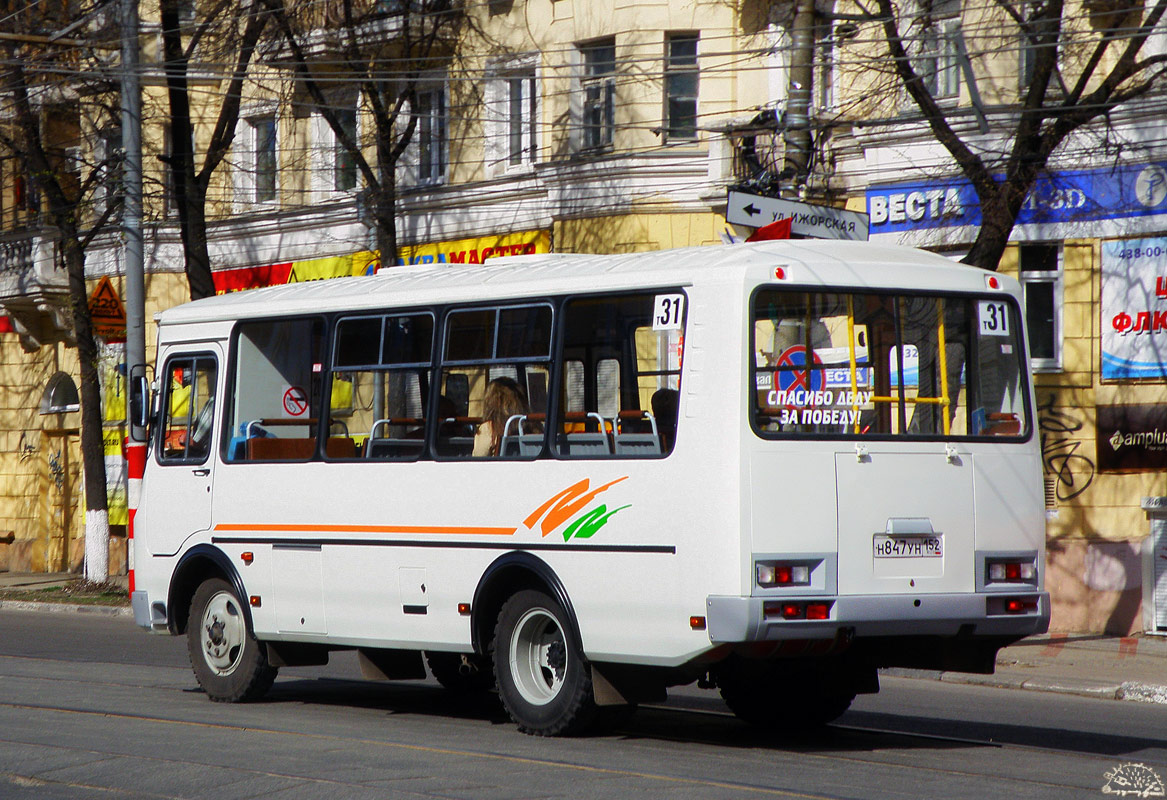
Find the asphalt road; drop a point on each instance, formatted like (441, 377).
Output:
(91, 707)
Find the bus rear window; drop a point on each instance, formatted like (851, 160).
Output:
(860, 365)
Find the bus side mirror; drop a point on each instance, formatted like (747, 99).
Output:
(139, 402)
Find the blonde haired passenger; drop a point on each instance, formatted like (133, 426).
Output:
(504, 398)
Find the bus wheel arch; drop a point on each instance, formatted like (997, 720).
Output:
(198, 565)
(507, 575)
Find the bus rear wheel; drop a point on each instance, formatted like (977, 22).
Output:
(230, 665)
(544, 681)
(786, 697)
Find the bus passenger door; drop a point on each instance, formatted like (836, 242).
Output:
(176, 497)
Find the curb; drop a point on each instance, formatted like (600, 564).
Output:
(65, 608)
(1129, 690)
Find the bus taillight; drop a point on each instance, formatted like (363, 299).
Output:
(818, 610)
(1020, 605)
(770, 573)
(1012, 571)
(813, 610)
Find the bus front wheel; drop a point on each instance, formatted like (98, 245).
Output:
(230, 665)
(543, 679)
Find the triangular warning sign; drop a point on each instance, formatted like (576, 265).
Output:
(106, 310)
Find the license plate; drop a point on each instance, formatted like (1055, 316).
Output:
(885, 546)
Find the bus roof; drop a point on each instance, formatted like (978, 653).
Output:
(807, 262)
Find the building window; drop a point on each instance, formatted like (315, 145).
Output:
(681, 87)
(1040, 271)
(521, 118)
(430, 111)
(263, 132)
(1029, 49)
(939, 59)
(599, 92)
(109, 190)
(60, 395)
(824, 65)
(344, 166)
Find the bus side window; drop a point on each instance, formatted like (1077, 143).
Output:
(379, 382)
(188, 410)
(620, 353)
(275, 405)
(494, 377)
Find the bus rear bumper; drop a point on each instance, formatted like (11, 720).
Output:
(756, 619)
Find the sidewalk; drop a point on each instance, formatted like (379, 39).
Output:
(1109, 667)
(32, 581)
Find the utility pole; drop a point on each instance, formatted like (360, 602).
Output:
(133, 263)
(798, 96)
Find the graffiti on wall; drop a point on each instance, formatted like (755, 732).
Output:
(57, 470)
(1074, 471)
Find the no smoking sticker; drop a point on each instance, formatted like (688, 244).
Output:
(295, 401)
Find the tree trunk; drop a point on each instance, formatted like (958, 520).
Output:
(189, 193)
(385, 203)
(92, 439)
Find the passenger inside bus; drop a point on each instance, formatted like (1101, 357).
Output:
(503, 400)
(664, 408)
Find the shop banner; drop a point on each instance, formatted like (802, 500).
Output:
(115, 475)
(478, 250)
(461, 251)
(1134, 309)
(316, 269)
(1120, 192)
(1131, 438)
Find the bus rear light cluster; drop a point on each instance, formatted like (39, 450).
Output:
(1020, 605)
(777, 574)
(1012, 571)
(812, 610)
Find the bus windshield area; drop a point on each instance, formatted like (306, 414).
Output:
(866, 364)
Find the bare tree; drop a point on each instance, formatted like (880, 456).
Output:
(385, 50)
(1081, 69)
(227, 32)
(51, 93)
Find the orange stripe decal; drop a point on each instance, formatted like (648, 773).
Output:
(410, 529)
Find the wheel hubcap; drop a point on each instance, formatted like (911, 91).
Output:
(223, 633)
(538, 657)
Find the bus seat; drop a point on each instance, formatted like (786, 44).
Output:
(273, 449)
(576, 442)
(340, 447)
(635, 442)
(517, 444)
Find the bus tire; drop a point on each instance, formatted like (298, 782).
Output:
(461, 672)
(230, 665)
(786, 698)
(544, 681)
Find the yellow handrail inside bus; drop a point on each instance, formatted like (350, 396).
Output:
(851, 359)
(943, 367)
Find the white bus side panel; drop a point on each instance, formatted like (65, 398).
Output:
(350, 546)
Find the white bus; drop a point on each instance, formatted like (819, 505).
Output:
(770, 468)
